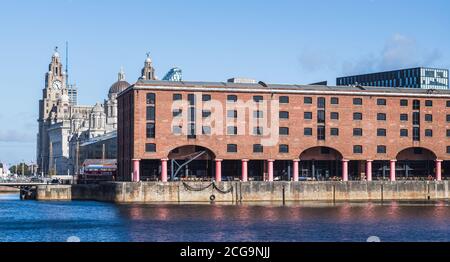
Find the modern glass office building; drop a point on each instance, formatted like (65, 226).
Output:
(420, 77)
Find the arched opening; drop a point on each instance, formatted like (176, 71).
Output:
(415, 163)
(191, 162)
(320, 163)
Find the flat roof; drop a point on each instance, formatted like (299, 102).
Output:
(392, 71)
(283, 88)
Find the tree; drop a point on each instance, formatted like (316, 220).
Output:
(21, 169)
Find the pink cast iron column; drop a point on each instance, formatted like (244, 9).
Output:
(439, 170)
(369, 170)
(219, 170)
(244, 177)
(164, 169)
(295, 169)
(270, 169)
(136, 175)
(344, 170)
(393, 169)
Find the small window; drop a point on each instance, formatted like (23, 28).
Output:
(284, 100)
(150, 113)
(206, 113)
(403, 102)
(448, 103)
(308, 131)
(357, 132)
(448, 118)
(232, 130)
(232, 113)
(448, 149)
(381, 132)
(258, 114)
(381, 117)
(284, 131)
(191, 99)
(357, 116)
(206, 98)
(231, 98)
(284, 148)
(258, 131)
(206, 130)
(334, 116)
(428, 133)
(429, 118)
(258, 99)
(381, 102)
(448, 132)
(404, 117)
(232, 148)
(307, 100)
(428, 103)
(177, 97)
(150, 130)
(334, 131)
(357, 101)
(150, 98)
(381, 150)
(321, 102)
(150, 148)
(403, 132)
(308, 115)
(284, 115)
(357, 149)
(258, 148)
(334, 101)
(416, 104)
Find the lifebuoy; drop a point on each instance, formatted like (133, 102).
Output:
(212, 197)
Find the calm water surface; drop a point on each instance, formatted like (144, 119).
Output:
(94, 221)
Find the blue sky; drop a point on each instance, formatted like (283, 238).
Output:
(275, 41)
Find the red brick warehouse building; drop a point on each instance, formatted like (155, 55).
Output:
(324, 133)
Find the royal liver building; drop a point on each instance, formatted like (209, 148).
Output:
(63, 124)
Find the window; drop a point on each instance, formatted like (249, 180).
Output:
(284, 149)
(416, 118)
(334, 131)
(191, 115)
(232, 113)
(206, 113)
(416, 104)
(448, 118)
(176, 130)
(321, 116)
(357, 132)
(403, 132)
(320, 133)
(428, 103)
(284, 131)
(232, 130)
(206, 98)
(284, 100)
(357, 116)
(403, 102)
(206, 130)
(307, 131)
(231, 98)
(357, 101)
(416, 134)
(334, 115)
(150, 148)
(191, 99)
(381, 102)
(150, 113)
(429, 118)
(258, 131)
(335, 101)
(448, 132)
(308, 115)
(428, 133)
(150, 99)
(150, 130)
(177, 97)
(258, 114)
(284, 115)
(381, 150)
(321, 102)
(381, 132)
(448, 150)
(191, 131)
(448, 103)
(258, 148)
(403, 117)
(381, 117)
(177, 112)
(232, 148)
(307, 100)
(258, 99)
(357, 149)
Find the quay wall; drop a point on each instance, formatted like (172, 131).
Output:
(237, 192)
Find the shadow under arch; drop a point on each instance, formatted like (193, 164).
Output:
(415, 163)
(191, 162)
(320, 163)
